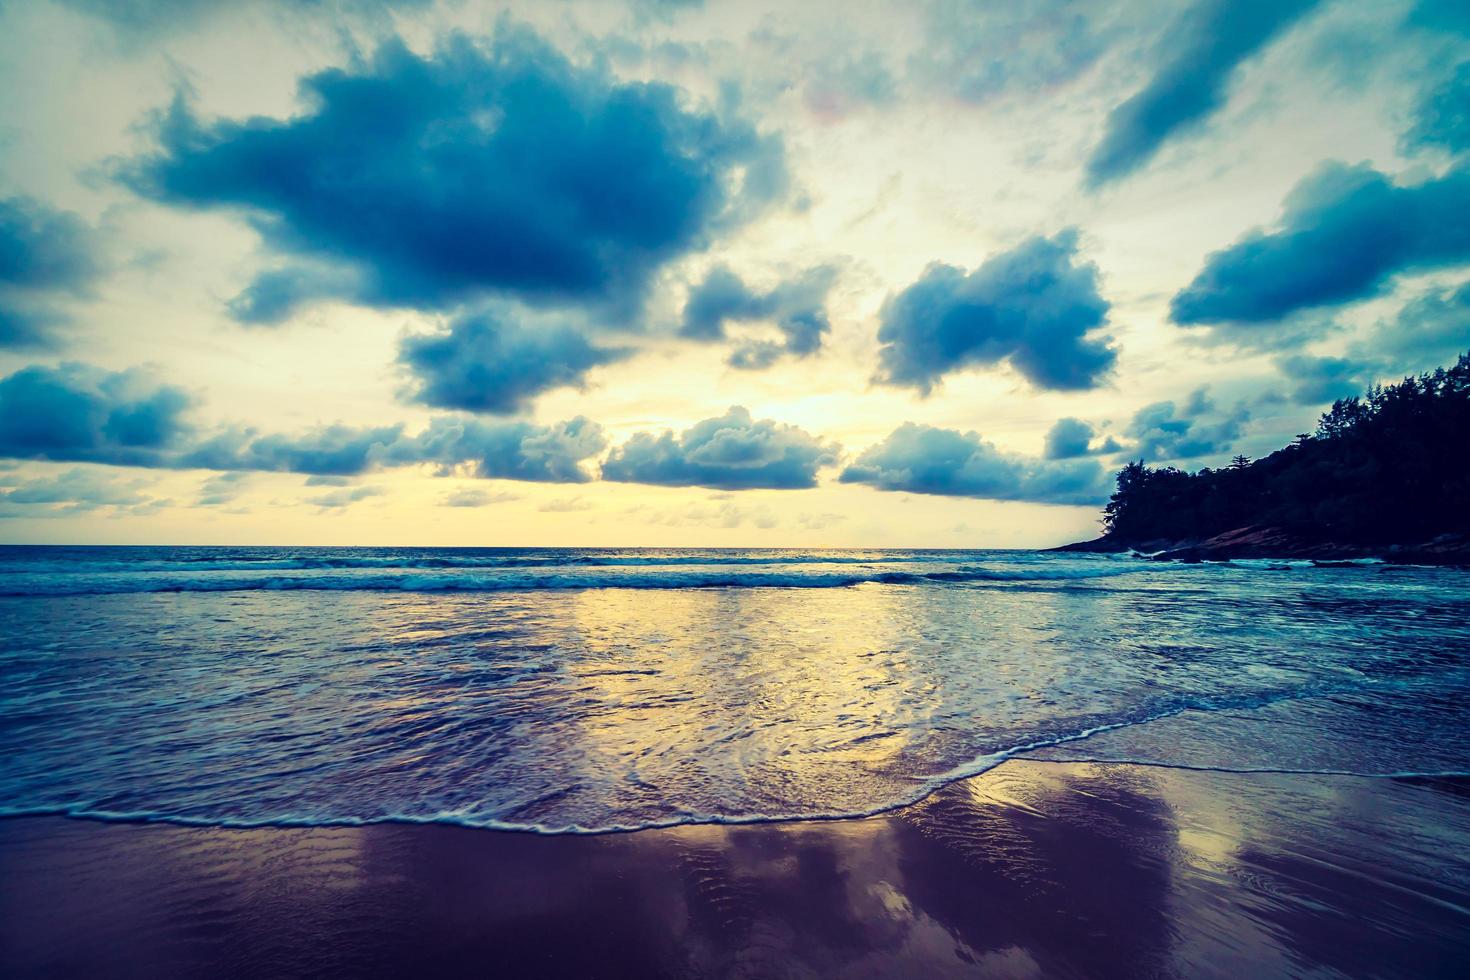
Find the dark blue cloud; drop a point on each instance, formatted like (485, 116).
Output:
(1345, 231)
(274, 295)
(1198, 58)
(923, 459)
(797, 307)
(1314, 380)
(42, 247)
(499, 450)
(732, 452)
(1165, 431)
(1431, 328)
(44, 253)
(427, 181)
(720, 297)
(489, 362)
(78, 413)
(1443, 116)
(25, 326)
(334, 450)
(1032, 307)
(1449, 16)
(1070, 438)
(554, 453)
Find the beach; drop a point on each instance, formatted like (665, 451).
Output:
(278, 762)
(1032, 869)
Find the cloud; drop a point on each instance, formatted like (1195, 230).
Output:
(834, 87)
(1070, 438)
(1067, 439)
(139, 20)
(142, 15)
(43, 247)
(332, 450)
(24, 326)
(1322, 380)
(944, 462)
(221, 489)
(426, 181)
(526, 451)
(491, 450)
(565, 505)
(732, 452)
(75, 491)
(43, 252)
(1199, 56)
(472, 497)
(661, 10)
(1441, 15)
(1165, 431)
(716, 513)
(1430, 328)
(1345, 232)
(979, 51)
(820, 522)
(82, 414)
(488, 362)
(1031, 307)
(274, 295)
(342, 499)
(797, 307)
(78, 413)
(1442, 120)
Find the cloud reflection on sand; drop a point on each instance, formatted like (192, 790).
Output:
(1035, 869)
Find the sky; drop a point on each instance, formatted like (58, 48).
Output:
(671, 273)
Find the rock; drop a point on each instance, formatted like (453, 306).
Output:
(1274, 542)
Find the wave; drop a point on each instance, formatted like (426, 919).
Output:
(454, 819)
(923, 787)
(469, 562)
(500, 580)
(1119, 760)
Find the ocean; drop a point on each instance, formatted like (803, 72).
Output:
(586, 690)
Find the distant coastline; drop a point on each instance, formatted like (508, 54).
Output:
(1384, 476)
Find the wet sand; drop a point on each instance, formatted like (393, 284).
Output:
(1032, 870)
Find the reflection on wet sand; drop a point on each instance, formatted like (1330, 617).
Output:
(1035, 869)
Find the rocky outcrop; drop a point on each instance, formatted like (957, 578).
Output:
(1275, 542)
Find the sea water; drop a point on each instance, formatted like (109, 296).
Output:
(588, 690)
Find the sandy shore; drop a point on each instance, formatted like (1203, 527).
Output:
(1035, 869)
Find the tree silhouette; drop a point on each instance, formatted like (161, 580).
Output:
(1390, 467)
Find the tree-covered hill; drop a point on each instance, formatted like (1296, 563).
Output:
(1390, 468)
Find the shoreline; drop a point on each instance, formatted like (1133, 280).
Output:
(1032, 868)
(758, 820)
